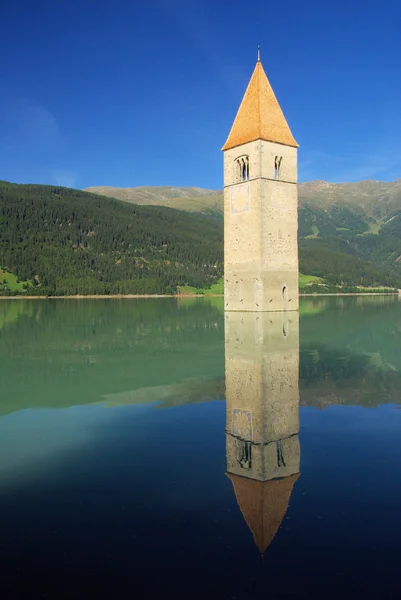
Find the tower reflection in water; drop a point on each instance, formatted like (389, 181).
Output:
(262, 424)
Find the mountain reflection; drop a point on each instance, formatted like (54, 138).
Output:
(170, 352)
(262, 416)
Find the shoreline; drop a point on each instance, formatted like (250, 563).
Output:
(111, 296)
(91, 297)
(353, 294)
(180, 296)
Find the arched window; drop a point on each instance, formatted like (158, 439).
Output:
(244, 454)
(284, 293)
(242, 168)
(277, 165)
(280, 455)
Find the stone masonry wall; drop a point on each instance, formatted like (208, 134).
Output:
(261, 229)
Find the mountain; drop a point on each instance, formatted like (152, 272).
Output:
(66, 241)
(363, 207)
(354, 221)
(62, 241)
(348, 231)
(375, 199)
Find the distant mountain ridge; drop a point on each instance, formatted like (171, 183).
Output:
(374, 199)
(190, 199)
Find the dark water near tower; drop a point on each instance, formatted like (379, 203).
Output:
(125, 472)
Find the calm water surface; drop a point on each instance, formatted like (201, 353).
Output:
(159, 448)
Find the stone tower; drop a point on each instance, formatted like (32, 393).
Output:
(262, 418)
(260, 205)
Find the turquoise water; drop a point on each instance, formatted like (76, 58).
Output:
(158, 447)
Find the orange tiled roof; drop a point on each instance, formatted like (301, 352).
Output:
(259, 116)
(263, 505)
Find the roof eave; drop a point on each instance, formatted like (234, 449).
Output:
(229, 146)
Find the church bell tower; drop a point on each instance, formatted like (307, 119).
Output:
(260, 205)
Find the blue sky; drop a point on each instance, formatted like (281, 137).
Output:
(129, 93)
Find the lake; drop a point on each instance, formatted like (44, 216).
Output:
(161, 448)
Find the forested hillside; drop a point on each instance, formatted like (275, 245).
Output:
(56, 240)
(67, 241)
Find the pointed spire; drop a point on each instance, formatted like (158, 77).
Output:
(263, 505)
(259, 116)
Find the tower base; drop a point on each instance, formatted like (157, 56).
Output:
(271, 291)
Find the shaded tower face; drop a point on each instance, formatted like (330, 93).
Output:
(262, 420)
(260, 205)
